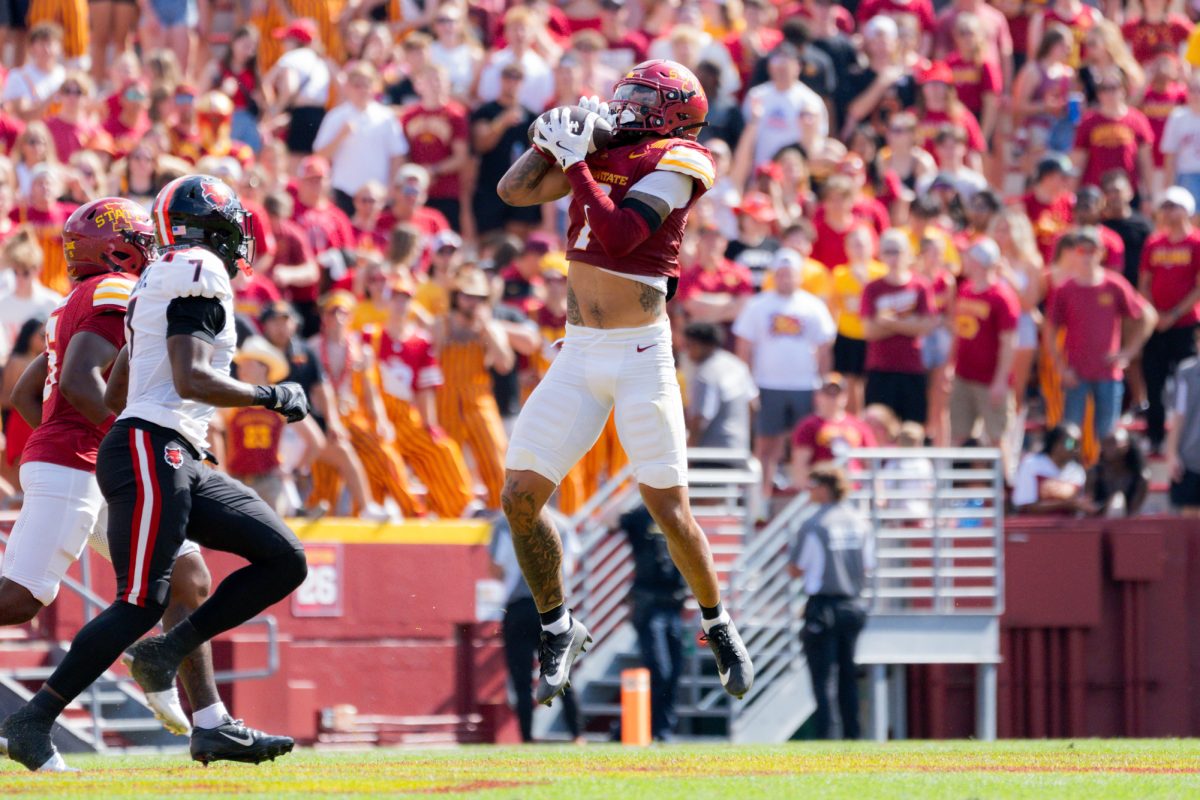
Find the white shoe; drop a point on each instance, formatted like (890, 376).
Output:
(375, 513)
(3, 746)
(169, 711)
(56, 764)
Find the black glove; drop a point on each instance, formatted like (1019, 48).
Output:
(287, 399)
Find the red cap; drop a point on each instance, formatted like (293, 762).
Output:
(937, 72)
(769, 169)
(313, 167)
(757, 205)
(303, 30)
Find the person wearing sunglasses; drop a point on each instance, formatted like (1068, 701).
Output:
(1114, 136)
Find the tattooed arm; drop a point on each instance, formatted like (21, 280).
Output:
(532, 180)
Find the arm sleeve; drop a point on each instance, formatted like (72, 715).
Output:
(202, 317)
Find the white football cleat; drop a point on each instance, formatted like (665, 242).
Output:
(169, 711)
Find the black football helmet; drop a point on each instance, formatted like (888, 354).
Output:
(203, 211)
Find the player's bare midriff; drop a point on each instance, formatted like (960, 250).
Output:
(597, 299)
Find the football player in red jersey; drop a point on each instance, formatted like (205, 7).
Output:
(62, 395)
(629, 207)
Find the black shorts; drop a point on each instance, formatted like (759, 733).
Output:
(849, 355)
(902, 392)
(1185, 493)
(14, 14)
(303, 124)
(159, 492)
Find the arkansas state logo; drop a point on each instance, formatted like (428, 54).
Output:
(173, 454)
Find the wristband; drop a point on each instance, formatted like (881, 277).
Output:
(264, 396)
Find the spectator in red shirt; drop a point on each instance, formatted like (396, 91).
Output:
(897, 310)
(626, 46)
(327, 225)
(523, 284)
(1169, 277)
(985, 328)
(407, 203)
(714, 289)
(368, 210)
(838, 199)
(1157, 29)
(1090, 306)
(976, 79)
(436, 129)
(938, 105)
(294, 269)
(995, 33)
(829, 433)
(1050, 204)
(129, 121)
(73, 128)
(1165, 93)
(1113, 136)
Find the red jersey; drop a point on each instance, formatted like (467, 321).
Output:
(913, 298)
(972, 81)
(253, 437)
(1112, 144)
(1174, 270)
(831, 439)
(1091, 316)
(1083, 21)
(1050, 220)
(1157, 105)
(932, 121)
(921, 9)
(292, 249)
(66, 437)
(431, 132)
(406, 366)
(618, 169)
(981, 316)
(728, 278)
(1018, 25)
(1150, 39)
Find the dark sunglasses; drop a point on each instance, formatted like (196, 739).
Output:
(72, 90)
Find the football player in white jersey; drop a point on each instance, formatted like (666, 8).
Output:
(180, 340)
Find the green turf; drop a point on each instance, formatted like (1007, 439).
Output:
(1087, 769)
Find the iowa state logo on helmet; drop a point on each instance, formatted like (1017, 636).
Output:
(173, 454)
(217, 193)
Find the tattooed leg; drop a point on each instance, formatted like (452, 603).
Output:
(538, 546)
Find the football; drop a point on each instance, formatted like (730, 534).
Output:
(602, 133)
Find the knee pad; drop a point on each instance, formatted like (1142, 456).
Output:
(521, 459)
(661, 476)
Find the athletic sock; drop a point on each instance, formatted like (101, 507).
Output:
(183, 639)
(213, 716)
(556, 621)
(47, 703)
(711, 616)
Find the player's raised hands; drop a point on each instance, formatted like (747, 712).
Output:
(598, 106)
(563, 138)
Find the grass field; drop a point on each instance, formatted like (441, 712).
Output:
(926, 771)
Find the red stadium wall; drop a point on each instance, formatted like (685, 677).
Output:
(1101, 635)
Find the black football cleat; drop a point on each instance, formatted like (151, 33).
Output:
(235, 741)
(27, 739)
(733, 662)
(556, 654)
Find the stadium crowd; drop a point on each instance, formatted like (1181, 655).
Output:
(946, 222)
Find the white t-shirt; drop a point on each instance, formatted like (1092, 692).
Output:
(1181, 138)
(459, 63)
(785, 333)
(16, 311)
(366, 154)
(1037, 467)
(30, 83)
(313, 74)
(537, 89)
(780, 125)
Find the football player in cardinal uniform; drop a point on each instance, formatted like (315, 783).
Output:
(180, 340)
(629, 207)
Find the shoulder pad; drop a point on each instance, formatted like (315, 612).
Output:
(193, 272)
(690, 159)
(112, 292)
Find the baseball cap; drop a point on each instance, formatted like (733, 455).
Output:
(937, 72)
(1053, 163)
(1179, 196)
(538, 244)
(757, 205)
(834, 380)
(472, 282)
(280, 308)
(313, 167)
(302, 30)
(554, 265)
(786, 258)
(339, 299)
(446, 239)
(985, 251)
(412, 172)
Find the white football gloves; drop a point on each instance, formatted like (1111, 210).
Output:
(597, 106)
(556, 134)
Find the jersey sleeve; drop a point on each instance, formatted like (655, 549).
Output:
(194, 273)
(201, 317)
(112, 294)
(690, 160)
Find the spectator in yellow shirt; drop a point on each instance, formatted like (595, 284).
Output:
(850, 347)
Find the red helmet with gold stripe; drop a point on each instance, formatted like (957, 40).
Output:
(111, 234)
(661, 97)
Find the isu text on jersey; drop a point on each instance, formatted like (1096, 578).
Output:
(187, 272)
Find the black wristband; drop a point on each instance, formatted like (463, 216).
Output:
(264, 396)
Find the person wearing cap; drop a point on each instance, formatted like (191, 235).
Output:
(834, 552)
(299, 82)
(349, 366)
(1169, 277)
(1090, 307)
(409, 378)
(498, 133)
(369, 233)
(523, 287)
(985, 324)
(252, 434)
(785, 336)
(829, 433)
(1050, 203)
(470, 343)
(328, 228)
(721, 391)
(279, 324)
(1113, 135)
(360, 138)
(756, 244)
(410, 189)
(897, 310)
(1180, 141)
(939, 107)
(773, 109)
(437, 130)
(714, 289)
